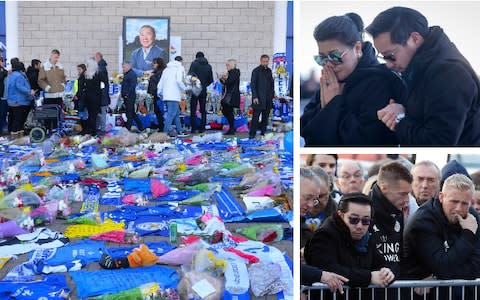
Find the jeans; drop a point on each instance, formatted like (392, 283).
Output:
(158, 109)
(173, 114)
(3, 114)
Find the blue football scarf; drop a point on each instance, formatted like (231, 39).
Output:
(131, 186)
(177, 195)
(94, 283)
(152, 225)
(86, 250)
(273, 215)
(159, 248)
(52, 287)
(229, 208)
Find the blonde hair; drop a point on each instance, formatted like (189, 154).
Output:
(232, 62)
(92, 68)
(459, 182)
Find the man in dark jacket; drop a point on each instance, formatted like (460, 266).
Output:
(102, 70)
(3, 100)
(342, 245)
(390, 196)
(443, 103)
(262, 95)
(129, 95)
(32, 75)
(203, 70)
(442, 240)
(426, 181)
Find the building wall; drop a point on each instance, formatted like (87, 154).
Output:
(221, 29)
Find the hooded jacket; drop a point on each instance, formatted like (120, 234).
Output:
(262, 88)
(203, 70)
(451, 168)
(434, 246)
(232, 85)
(51, 79)
(351, 118)
(171, 85)
(387, 230)
(444, 96)
(340, 255)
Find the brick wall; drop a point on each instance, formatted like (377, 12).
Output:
(221, 29)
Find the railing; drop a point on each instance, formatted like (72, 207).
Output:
(405, 290)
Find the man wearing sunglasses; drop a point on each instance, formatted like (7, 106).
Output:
(442, 240)
(443, 103)
(390, 196)
(343, 245)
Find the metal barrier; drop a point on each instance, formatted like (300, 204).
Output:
(405, 290)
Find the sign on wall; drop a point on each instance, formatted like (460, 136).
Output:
(175, 47)
(145, 38)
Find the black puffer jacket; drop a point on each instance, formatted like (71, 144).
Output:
(387, 230)
(203, 70)
(332, 249)
(351, 118)
(153, 82)
(434, 246)
(443, 106)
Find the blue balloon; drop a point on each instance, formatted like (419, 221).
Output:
(288, 141)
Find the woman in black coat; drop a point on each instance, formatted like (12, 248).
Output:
(93, 95)
(231, 80)
(158, 67)
(353, 87)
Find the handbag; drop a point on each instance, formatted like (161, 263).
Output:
(227, 98)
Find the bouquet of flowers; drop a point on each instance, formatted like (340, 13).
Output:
(193, 84)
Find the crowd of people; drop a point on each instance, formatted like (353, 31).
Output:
(401, 221)
(425, 92)
(167, 86)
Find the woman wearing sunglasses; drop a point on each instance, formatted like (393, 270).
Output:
(353, 87)
(342, 245)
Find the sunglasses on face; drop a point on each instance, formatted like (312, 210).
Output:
(354, 220)
(390, 57)
(335, 57)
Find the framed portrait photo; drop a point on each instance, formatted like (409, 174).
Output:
(145, 38)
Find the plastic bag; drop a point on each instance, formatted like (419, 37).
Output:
(181, 256)
(265, 279)
(257, 203)
(158, 137)
(99, 161)
(20, 198)
(135, 199)
(158, 188)
(196, 285)
(141, 173)
(263, 232)
(116, 236)
(205, 261)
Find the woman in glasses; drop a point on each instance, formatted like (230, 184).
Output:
(353, 87)
(342, 245)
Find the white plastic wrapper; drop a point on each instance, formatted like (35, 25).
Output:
(236, 277)
(257, 203)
